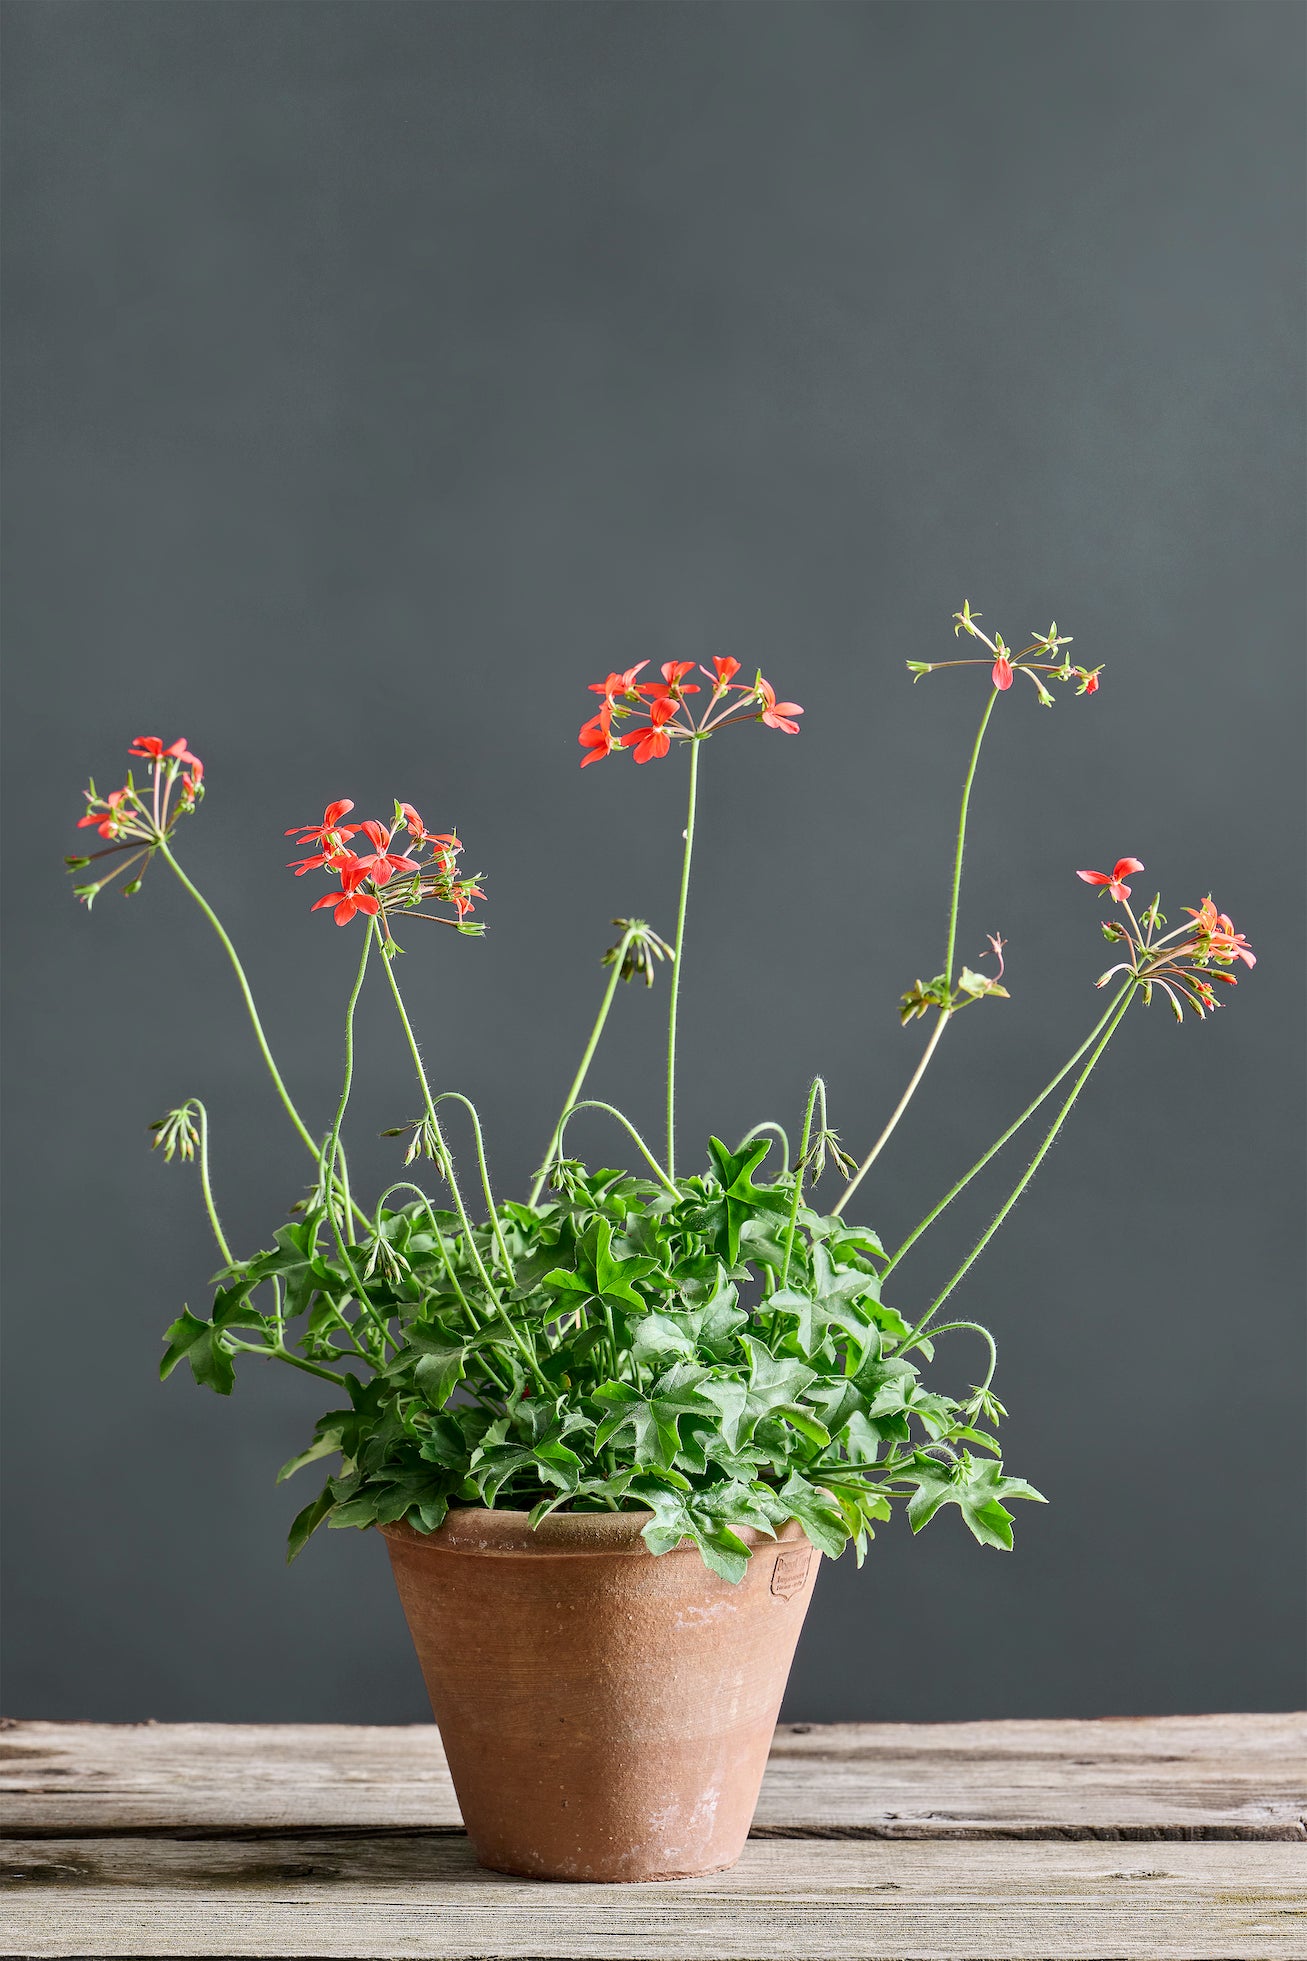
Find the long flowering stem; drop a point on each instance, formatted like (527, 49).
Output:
(900, 1107)
(1009, 1133)
(961, 844)
(331, 1149)
(207, 1188)
(1118, 1013)
(248, 997)
(675, 989)
(456, 1096)
(447, 1172)
(592, 1103)
(619, 955)
(818, 1091)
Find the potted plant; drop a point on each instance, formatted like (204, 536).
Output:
(607, 1431)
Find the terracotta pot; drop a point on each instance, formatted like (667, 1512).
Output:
(606, 1714)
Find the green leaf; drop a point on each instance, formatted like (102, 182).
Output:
(440, 1371)
(305, 1523)
(203, 1347)
(818, 1513)
(324, 1445)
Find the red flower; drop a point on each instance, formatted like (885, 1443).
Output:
(1115, 879)
(774, 713)
(380, 865)
(330, 829)
(670, 688)
(105, 821)
(651, 739)
(597, 734)
(150, 745)
(1090, 685)
(347, 902)
(726, 670)
(616, 684)
(1002, 672)
(1223, 943)
(333, 857)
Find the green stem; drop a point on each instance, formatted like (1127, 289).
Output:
(456, 1096)
(248, 998)
(284, 1355)
(818, 1089)
(580, 1076)
(447, 1172)
(962, 837)
(591, 1103)
(1029, 1172)
(945, 1015)
(206, 1187)
(331, 1148)
(949, 1328)
(676, 962)
(1010, 1132)
(777, 1130)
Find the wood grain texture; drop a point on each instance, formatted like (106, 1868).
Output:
(1172, 1777)
(973, 1841)
(825, 1901)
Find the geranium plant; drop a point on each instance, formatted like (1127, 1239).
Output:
(711, 1346)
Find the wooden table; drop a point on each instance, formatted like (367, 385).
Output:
(1180, 1837)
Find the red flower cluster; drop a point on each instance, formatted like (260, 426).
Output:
(1179, 962)
(670, 715)
(141, 817)
(367, 877)
(1004, 665)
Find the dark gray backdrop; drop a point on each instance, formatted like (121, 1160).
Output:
(380, 373)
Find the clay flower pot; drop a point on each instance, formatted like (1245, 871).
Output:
(606, 1714)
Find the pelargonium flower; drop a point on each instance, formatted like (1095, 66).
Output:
(380, 864)
(1002, 673)
(597, 736)
(618, 684)
(330, 831)
(1222, 942)
(673, 684)
(724, 671)
(347, 902)
(650, 739)
(152, 746)
(107, 820)
(776, 713)
(1115, 879)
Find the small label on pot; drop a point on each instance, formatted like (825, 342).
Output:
(790, 1571)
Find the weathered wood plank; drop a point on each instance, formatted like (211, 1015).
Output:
(422, 1896)
(1175, 1777)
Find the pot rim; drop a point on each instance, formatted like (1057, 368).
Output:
(475, 1529)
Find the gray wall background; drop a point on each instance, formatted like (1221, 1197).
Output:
(380, 374)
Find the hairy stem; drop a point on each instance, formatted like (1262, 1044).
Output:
(945, 1015)
(592, 1104)
(1029, 1172)
(962, 838)
(676, 962)
(588, 1057)
(456, 1096)
(207, 1188)
(248, 998)
(1009, 1133)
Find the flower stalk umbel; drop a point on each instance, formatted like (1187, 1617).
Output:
(712, 1348)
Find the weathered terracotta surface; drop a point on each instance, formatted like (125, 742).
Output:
(606, 1714)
